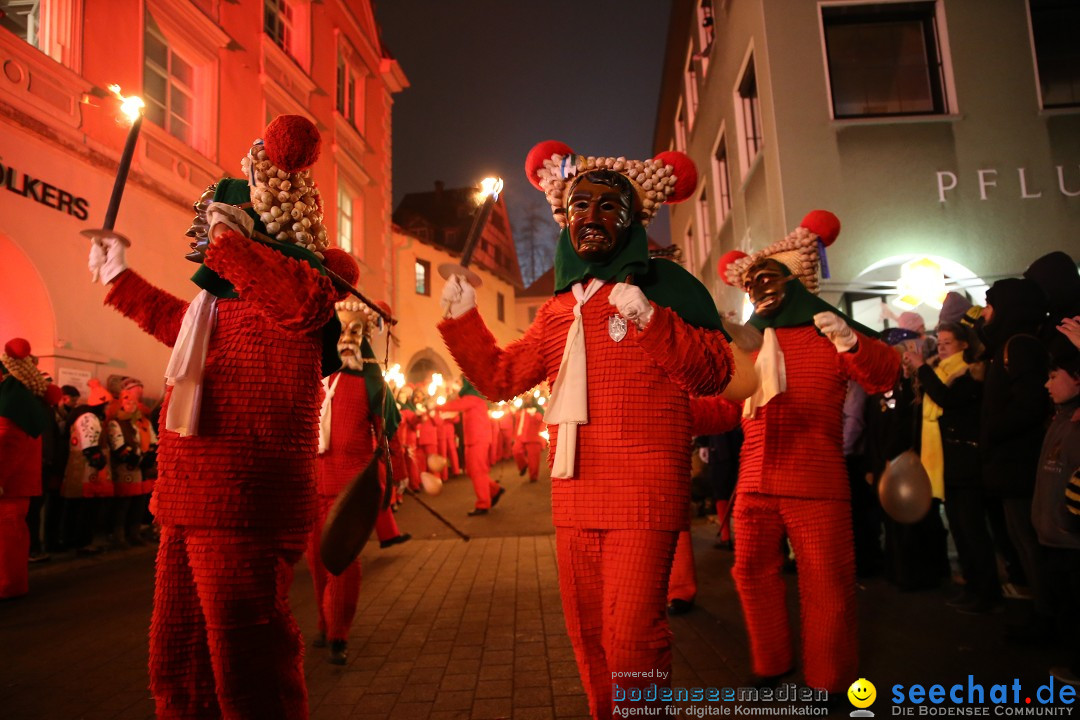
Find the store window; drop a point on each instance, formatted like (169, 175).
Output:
(423, 277)
(1054, 26)
(885, 59)
(168, 85)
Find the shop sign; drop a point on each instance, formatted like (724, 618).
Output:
(1027, 189)
(42, 192)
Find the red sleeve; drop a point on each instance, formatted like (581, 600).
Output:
(154, 310)
(699, 361)
(500, 374)
(873, 364)
(288, 292)
(713, 415)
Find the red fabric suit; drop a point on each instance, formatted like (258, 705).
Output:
(507, 426)
(792, 479)
(711, 416)
(528, 443)
(617, 520)
(20, 480)
(477, 425)
(236, 501)
(351, 447)
(407, 436)
(448, 440)
(427, 441)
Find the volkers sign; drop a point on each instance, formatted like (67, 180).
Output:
(39, 191)
(1025, 188)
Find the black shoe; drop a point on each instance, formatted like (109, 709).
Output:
(319, 641)
(498, 496)
(477, 511)
(338, 654)
(679, 607)
(396, 540)
(522, 471)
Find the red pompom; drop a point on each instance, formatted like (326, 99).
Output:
(823, 224)
(727, 259)
(341, 263)
(292, 142)
(543, 151)
(17, 348)
(385, 307)
(53, 395)
(685, 174)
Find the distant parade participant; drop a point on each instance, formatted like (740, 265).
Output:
(88, 484)
(25, 397)
(477, 424)
(132, 444)
(528, 443)
(792, 477)
(410, 420)
(448, 446)
(623, 342)
(357, 409)
(235, 493)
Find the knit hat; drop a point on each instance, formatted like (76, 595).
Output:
(98, 394)
(953, 308)
(801, 251)
(912, 321)
(670, 177)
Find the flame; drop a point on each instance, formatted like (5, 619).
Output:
(496, 414)
(130, 105)
(490, 186)
(540, 401)
(518, 402)
(544, 434)
(440, 400)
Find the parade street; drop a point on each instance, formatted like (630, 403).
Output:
(453, 629)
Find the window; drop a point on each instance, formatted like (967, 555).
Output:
(423, 277)
(345, 218)
(500, 307)
(51, 26)
(706, 31)
(703, 222)
(1057, 54)
(884, 60)
(532, 312)
(691, 249)
(350, 87)
(722, 180)
(278, 18)
(680, 129)
(23, 19)
(690, 85)
(749, 114)
(168, 85)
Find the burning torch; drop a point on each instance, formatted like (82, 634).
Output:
(131, 107)
(490, 188)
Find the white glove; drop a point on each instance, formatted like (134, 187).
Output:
(230, 216)
(458, 296)
(106, 259)
(632, 304)
(833, 327)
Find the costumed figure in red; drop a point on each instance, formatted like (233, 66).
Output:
(25, 396)
(448, 446)
(792, 477)
(478, 441)
(410, 421)
(356, 408)
(235, 493)
(528, 443)
(132, 451)
(87, 488)
(623, 343)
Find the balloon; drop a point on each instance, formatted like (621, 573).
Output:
(436, 463)
(432, 484)
(905, 488)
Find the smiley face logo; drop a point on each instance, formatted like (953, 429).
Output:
(862, 693)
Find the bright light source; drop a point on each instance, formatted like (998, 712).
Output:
(540, 401)
(921, 282)
(130, 105)
(536, 393)
(440, 400)
(544, 434)
(496, 414)
(490, 186)
(518, 402)
(747, 308)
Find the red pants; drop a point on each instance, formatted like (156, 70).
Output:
(820, 532)
(683, 582)
(528, 455)
(412, 469)
(613, 585)
(14, 547)
(386, 526)
(223, 642)
(477, 467)
(335, 597)
(422, 453)
(448, 448)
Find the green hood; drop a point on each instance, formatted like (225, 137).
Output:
(799, 308)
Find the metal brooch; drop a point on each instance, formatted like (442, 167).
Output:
(616, 327)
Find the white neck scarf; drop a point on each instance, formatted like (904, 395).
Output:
(329, 388)
(568, 406)
(771, 373)
(187, 363)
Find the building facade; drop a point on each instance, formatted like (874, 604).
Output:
(431, 229)
(212, 74)
(945, 131)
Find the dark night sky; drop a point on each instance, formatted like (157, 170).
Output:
(491, 78)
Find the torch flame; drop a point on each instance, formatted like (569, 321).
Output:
(130, 105)
(490, 186)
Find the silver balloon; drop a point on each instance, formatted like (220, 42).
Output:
(905, 488)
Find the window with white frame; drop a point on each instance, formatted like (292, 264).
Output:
(749, 114)
(422, 271)
(706, 27)
(168, 85)
(884, 59)
(680, 128)
(51, 26)
(278, 19)
(350, 87)
(690, 86)
(345, 218)
(1054, 25)
(721, 180)
(705, 234)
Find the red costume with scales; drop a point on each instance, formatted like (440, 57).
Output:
(528, 444)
